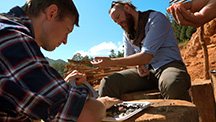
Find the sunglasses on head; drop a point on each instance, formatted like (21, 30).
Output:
(119, 2)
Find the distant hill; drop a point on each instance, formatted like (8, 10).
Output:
(55, 61)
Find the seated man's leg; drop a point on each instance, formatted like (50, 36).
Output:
(174, 82)
(124, 81)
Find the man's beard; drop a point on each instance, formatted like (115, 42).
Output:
(130, 25)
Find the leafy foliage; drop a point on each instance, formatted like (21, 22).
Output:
(113, 55)
(79, 57)
(120, 54)
(60, 67)
(182, 33)
(53, 61)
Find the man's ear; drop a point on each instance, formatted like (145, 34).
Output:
(51, 12)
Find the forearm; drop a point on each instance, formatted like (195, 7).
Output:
(208, 11)
(93, 111)
(132, 60)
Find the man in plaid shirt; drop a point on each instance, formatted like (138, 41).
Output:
(29, 87)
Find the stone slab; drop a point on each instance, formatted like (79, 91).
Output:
(162, 110)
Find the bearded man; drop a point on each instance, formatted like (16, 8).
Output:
(151, 46)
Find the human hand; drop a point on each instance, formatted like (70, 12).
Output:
(195, 5)
(182, 16)
(193, 13)
(142, 70)
(101, 61)
(76, 76)
(108, 101)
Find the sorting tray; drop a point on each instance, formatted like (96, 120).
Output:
(121, 117)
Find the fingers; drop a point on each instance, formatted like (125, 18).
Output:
(102, 62)
(108, 101)
(172, 10)
(181, 14)
(74, 71)
(142, 71)
(71, 75)
(79, 77)
(113, 100)
(187, 18)
(97, 60)
(94, 62)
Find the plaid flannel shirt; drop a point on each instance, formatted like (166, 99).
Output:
(29, 87)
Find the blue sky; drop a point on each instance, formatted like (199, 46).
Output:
(97, 34)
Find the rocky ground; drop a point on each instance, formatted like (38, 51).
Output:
(195, 65)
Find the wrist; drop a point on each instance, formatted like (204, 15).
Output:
(87, 97)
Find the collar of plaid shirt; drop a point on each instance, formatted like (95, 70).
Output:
(17, 17)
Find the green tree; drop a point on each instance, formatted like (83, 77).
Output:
(177, 30)
(77, 57)
(59, 67)
(120, 54)
(112, 54)
(190, 30)
(86, 58)
(183, 34)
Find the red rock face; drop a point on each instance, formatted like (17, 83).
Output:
(192, 54)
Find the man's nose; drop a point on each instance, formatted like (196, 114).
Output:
(65, 40)
(119, 23)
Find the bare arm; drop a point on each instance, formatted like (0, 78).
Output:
(94, 110)
(132, 60)
(201, 11)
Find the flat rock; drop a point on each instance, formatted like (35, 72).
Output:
(162, 110)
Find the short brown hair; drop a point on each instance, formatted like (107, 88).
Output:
(65, 7)
(121, 4)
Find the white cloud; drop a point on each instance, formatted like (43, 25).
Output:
(120, 47)
(83, 53)
(102, 49)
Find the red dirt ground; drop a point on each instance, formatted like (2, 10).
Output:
(195, 65)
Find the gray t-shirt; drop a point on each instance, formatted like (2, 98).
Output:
(160, 41)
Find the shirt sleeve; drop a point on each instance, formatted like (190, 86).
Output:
(30, 86)
(157, 29)
(129, 48)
